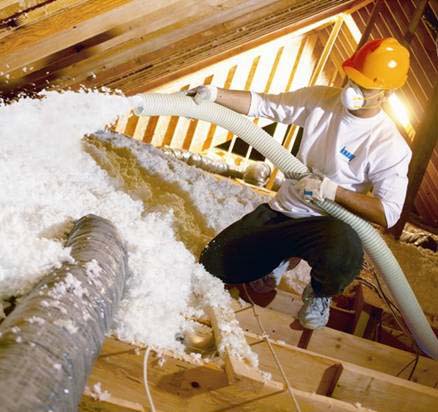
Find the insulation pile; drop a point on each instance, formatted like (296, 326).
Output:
(164, 210)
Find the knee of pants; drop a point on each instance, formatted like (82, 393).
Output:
(210, 258)
(344, 252)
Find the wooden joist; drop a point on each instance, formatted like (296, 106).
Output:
(280, 324)
(181, 386)
(91, 403)
(345, 381)
(320, 383)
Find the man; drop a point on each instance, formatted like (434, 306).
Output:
(351, 147)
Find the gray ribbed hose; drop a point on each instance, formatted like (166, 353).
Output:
(374, 245)
(49, 342)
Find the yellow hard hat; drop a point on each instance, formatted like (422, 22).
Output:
(379, 64)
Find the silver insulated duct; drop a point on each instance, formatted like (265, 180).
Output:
(50, 340)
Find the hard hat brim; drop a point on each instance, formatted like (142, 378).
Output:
(357, 77)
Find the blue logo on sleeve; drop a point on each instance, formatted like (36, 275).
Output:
(350, 156)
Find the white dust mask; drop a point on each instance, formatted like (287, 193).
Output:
(353, 98)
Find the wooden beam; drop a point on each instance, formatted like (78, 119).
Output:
(419, 11)
(372, 389)
(234, 385)
(424, 143)
(311, 402)
(66, 29)
(370, 25)
(328, 47)
(181, 386)
(35, 11)
(150, 130)
(168, 26)
(7, 3)
(131, 125)
(9, 8)
(91, 403)
(382, 392)
(342, 346)
(256, 32)
(186, 58)
(93, 49)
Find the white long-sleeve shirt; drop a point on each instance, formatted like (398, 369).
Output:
(357, 153)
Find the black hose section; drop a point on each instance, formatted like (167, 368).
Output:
(49, 342)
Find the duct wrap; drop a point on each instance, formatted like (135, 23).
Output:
(50, 340)
(217, 166)
(385, 263)
(256, 173)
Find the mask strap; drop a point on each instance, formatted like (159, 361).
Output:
(374, 106)
(372, 97)
(357, 87)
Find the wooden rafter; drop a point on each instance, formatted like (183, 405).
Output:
(248, 33)
(34, 12)
(79, 23)
(73, 42)
(162, 21)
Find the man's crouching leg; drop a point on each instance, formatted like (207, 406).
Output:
(335, 264)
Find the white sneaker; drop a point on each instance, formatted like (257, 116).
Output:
(279, 271)
(315, 311)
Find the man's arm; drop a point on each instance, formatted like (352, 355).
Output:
(288, 107)
(237, 100)
(315, 186)
(366, 206)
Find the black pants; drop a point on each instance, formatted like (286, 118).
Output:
(256, 244)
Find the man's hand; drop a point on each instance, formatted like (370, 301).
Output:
(203, 94)
(315, 186)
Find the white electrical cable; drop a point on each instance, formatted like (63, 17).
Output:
(145, 380)
(274, 355)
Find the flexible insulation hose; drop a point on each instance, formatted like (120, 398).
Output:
(382, 257)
